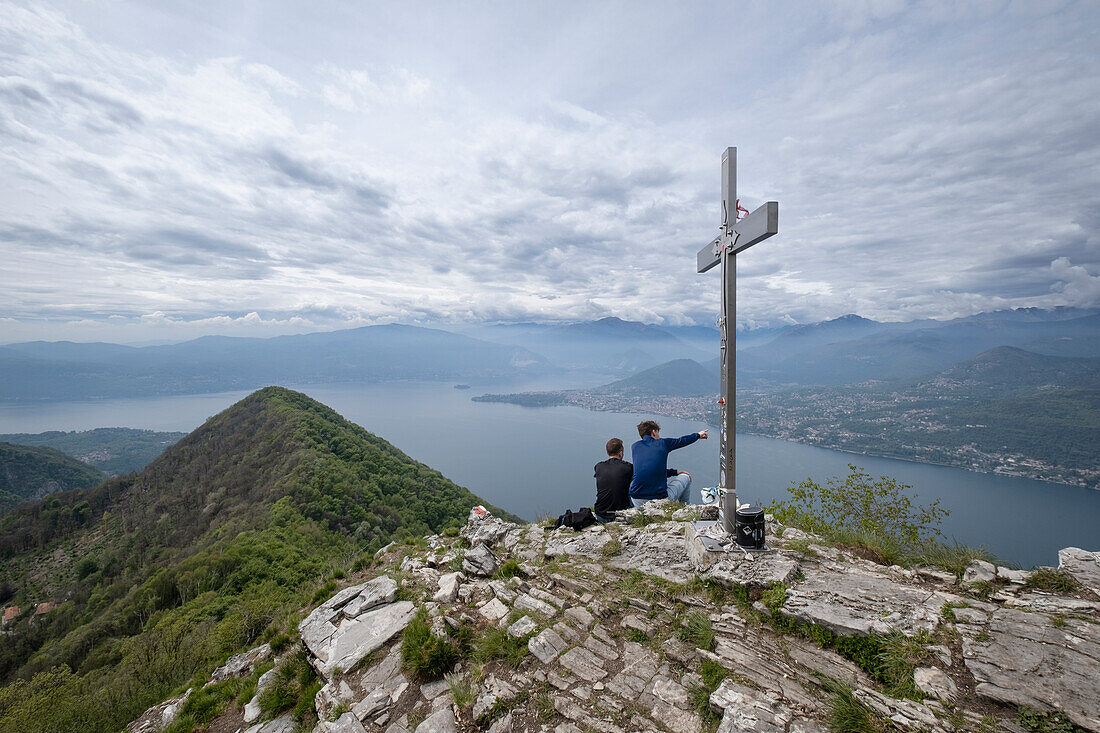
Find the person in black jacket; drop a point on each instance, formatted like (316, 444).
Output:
(612, 482)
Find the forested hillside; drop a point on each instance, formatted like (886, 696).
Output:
(33, 472)
(112, 450)
(219, 542)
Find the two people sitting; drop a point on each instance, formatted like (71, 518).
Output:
(620, 485)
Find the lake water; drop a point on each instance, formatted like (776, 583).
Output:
(537, 462)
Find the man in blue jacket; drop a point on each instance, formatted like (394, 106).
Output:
(653, 479)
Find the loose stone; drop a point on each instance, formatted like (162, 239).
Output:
(522, 627)
(547, 645)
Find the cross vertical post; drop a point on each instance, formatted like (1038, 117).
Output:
(735, 236)
(727, 431)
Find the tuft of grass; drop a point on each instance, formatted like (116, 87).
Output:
(455, 565)
(953, 558)
(801, 546)
(544, 706)
(697, 630)
(644, 520)
(881, 548)
(612, 548)
(325, 592)
(637, 636)
(508, 569)
(847, 714)
(207, 703)
(462, 690)
(293, 688)
(712, 674)
(425, 655)
(1054, 581)
(497, 644)
(898, 657)
(279, 642)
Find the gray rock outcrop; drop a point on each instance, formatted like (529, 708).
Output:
(623, 628)
(353, 623)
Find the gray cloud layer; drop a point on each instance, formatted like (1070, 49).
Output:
(259, 169)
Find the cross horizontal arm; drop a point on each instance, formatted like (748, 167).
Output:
(756, 227)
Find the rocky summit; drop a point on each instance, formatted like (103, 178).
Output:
(637, 626)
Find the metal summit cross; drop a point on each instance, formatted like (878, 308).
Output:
(736, 237)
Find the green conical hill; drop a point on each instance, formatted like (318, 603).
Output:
(161, 575)
(29, 472)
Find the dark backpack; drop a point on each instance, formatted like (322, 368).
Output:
(576, 520)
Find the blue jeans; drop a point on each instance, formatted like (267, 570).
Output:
(679, 489)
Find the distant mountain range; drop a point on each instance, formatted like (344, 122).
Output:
(68, 371)
(853, 349)
(840, 351)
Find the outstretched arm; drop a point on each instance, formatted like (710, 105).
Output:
(674, 443)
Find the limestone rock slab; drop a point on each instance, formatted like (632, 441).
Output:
(487, 529)
(589, 542)
(754, 571)
(161, 716)
(252, 710)
(531, 604)
(1026, 660)
(358, 637)
(547, 645)
(318, 628)
(854, 602)
(935, 682)
(522, 627)
(493, 691)
(745, 709)
(441, 721)
(240, 665)
(493, 611)
(583, 663)
(1083, 565)
(657, 549)
(448, 587)
(980, 571)
(480, 560)
(346, 723)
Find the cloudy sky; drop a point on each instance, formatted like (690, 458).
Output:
(175, 169)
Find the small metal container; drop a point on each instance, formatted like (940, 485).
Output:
(750, 527)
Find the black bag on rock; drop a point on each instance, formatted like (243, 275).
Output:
(577, 520)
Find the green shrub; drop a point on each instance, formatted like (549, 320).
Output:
(279, 642)
(1050, 721)
(508, 569)
(640, 520)
(860, 505)
(774, 598)
(295, 681)
(425, 655)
